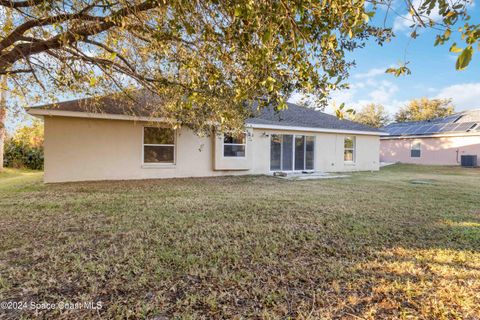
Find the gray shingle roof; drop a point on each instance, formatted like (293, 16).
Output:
(462, 122)
(298, 116)
(146, 104)
(140, 103)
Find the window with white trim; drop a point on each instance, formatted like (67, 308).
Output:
(234, 146)
(349, 149)
(158, 145)
(415, 150)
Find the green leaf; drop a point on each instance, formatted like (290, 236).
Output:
(447, 34)
(366, 17)
(190, 30)
(455, 49)
(400, 71)
(391, 70)
(238, 12)
(464, 59)
(267, 36)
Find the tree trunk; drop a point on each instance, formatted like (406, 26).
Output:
(3, 116)
(3, 98)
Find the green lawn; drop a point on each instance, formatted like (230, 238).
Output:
(400, 243)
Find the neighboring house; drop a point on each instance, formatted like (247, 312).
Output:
(440, 141)
(115, 144)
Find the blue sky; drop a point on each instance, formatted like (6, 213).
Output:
(433, 70)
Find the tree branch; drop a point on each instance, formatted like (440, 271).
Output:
(104, 47)
(16, 71)
(16, 34)
(20, 4)
(24, 50)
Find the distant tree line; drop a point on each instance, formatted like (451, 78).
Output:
(422, 109)
(24, 148)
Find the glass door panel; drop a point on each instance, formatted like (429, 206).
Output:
(309, 152)
(276, 152)
(299, 153)
(287, 152)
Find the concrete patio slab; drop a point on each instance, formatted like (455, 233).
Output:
(311, 176)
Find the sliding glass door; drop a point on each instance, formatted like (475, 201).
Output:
(292, 152)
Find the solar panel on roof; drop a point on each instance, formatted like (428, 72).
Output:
(391, 130)
(449, 127)
(464, 126)
(421, 129)
(396, 131)
(434, 128)
(426, 128)
(450, 119)
(402, 129)
(417, 129)
(439, 127)
(409, 129)
(413, 129)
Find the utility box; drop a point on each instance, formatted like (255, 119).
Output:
(469, 161)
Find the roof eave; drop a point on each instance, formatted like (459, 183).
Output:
(92, 115)
(312, 129)
(437, 135)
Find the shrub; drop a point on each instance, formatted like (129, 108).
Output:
(25, 148)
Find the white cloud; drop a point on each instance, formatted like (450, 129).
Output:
(372, 90)
(370, 73)
(383, 92)
(464, 95)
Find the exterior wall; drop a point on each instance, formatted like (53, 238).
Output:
(434, 150)
(79, 149)
(328, 151)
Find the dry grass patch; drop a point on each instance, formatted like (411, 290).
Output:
(373, 246)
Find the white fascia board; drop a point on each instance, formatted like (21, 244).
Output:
(441, 135)
(91, 115)
(309, 129)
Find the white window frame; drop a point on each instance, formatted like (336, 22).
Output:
(293, 152)
(159, 164)
(353, 149)
(234, 144)
(412, 145)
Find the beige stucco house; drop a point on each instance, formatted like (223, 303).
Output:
(441, 141)
(111, 144)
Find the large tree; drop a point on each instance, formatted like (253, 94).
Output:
(425, 109)
(3, 116)
(373, 115)
(205, 58)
